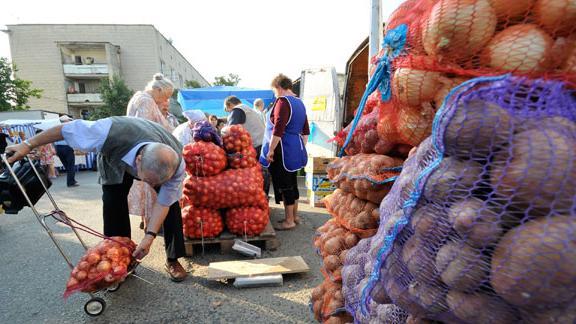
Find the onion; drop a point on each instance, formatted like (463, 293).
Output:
(447, 85)
(103, 266)
(415, 124)
(411, 87)
(81, 275)
(506, 9)
(520, 48)
(71, 282)
(562, 50)
(458, 29)
(93, 258)
(556, 16)
(570, 64)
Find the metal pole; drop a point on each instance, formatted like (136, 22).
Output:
(375, 29)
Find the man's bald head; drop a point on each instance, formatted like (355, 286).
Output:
(159, 163)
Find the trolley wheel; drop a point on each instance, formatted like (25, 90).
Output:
(114, 287)
(95, 306)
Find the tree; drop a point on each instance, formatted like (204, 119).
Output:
(14, 92)
(115, 95)
(230, 80)
(192, 84)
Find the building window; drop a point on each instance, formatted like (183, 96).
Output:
(81, 87)
(162, 66)
(78, 60)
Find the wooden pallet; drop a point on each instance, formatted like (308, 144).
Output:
(226, 240)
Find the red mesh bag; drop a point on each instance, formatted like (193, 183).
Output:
(367, 176)
(236, 138)
(356, 215)
(101, 266)
(249, 221)
(231, 188)
(451, 41)
(327, 303)
(204, 159)
(332, 242)
(201, 222)
(243, 159)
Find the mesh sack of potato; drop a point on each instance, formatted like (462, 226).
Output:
(367, 176)
(480, 226)
(332, 242)
(356, 215)
(327, 303)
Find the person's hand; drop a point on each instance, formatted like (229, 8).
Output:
(19, 150)
(143, 248)
(270, 156)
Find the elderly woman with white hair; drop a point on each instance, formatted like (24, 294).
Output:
(183, 132)
(146, 104)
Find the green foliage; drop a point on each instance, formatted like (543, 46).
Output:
(14, 92)
(192, 84)
(115, 95)
(230, 80)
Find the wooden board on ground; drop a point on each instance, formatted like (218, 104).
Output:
(226, 240)
(257, 267)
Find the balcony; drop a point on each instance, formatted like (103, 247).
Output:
(84, 99)
(86, 70)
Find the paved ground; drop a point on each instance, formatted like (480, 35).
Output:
(33, 274)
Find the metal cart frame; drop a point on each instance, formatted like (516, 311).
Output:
(95, 305)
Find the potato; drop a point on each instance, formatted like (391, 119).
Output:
(539, 170)
(559, 315)
(419, 258)
(461, 266)
(332, 262)
(412, 319)
(334, 245)
(452, 179)
(318, 292)
(389, 313)
(363, 220)
(480, 308)
(350, 240)
(428, 219)
(476, 129)
(534, 264)
(379, 294)
(477, 223)
(317, 309)
(339, 319)
(402, 298)
(430, 297)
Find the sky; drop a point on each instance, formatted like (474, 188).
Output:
(256, 39)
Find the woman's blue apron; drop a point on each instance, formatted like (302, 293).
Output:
(294, 156)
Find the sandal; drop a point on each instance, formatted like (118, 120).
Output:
(284, 227)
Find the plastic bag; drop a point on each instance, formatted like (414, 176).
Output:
(204, 131)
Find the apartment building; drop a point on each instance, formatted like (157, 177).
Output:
(69, 61)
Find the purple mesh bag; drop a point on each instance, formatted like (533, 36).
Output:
(204, 131)
(480, 226)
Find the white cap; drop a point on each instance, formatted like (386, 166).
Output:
(194, 115)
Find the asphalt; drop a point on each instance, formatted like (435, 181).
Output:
(33, 274)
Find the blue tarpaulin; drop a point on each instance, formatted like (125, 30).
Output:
(211, 100)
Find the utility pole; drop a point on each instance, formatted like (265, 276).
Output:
(375, 29)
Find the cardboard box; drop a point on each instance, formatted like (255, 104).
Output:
(315, 198)
(317, 164)
(318, 186)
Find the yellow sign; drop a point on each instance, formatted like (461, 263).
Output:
(319, 104)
